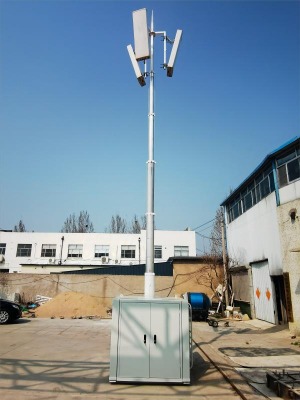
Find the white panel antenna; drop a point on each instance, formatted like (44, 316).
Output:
(141, 35)
(137, 71)
(171, 63)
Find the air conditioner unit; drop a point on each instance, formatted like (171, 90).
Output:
(104, 260)
(2, 259)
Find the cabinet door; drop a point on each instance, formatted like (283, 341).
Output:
(165, 343)
(134, 340)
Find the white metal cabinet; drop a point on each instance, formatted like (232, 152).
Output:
(134, 340)
(150, 340)
(165, 343)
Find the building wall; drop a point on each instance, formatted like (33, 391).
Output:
(267, 232)
(254, 236)
(290, 245)
(166, 239)
(290, 192)
(196, 276)
(262, 236)
(187, 278)
(105, 287)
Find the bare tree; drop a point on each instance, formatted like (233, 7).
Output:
(137, 224)
(20, 227)
(117, 225)
(84, 223)
(80, 224)
(143, 222)
(69, 224)
(218, 252)
(120, 225)
(216, 235)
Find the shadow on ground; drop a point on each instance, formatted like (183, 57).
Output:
(59, 376)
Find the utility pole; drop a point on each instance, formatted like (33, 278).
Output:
(225, 285)
(149, 273)
(142, 52)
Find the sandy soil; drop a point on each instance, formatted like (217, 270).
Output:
(73, 304)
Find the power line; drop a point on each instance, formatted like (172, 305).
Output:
(205, 229)
(203, 224)
(204, 252)
(205, 237)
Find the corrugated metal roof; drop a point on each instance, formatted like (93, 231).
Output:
(269, 157)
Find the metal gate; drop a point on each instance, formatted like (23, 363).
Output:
(264, 293)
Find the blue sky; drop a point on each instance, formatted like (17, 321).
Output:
(74, 121)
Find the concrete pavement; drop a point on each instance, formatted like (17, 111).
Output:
(69, 359)
(248, 349)
(64, 359)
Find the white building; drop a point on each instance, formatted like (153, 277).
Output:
(263, 238)
(34, 252)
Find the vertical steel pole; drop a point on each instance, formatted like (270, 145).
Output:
(149, 274)
(225, 284)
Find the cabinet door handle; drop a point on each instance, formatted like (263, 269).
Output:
(154, 339)
(145, 339)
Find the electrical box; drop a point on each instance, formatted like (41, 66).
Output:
(150, 340)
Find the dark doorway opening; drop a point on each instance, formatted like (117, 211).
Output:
(280, 299)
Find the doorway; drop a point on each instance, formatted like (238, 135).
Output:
(280, 299)
(264, 292)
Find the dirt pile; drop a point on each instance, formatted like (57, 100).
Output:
(73, 304)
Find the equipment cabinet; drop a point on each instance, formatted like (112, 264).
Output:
(150, 340)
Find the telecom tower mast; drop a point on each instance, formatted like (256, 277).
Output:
(142, 52)
(150, 337)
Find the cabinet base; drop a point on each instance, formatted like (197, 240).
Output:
(149, 381)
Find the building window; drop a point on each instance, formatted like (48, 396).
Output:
(128, 252)
(75, 251)
(288, 171)
(236, 209)
(247, 202)
(264, 187)
(101, 250)
(282, 176)
(181, 251)
(2, 248)
(288, 168)
(48, 250)
(258, 189)
(264, 184)
(293, 169)
(157, 251)
(24, 250)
